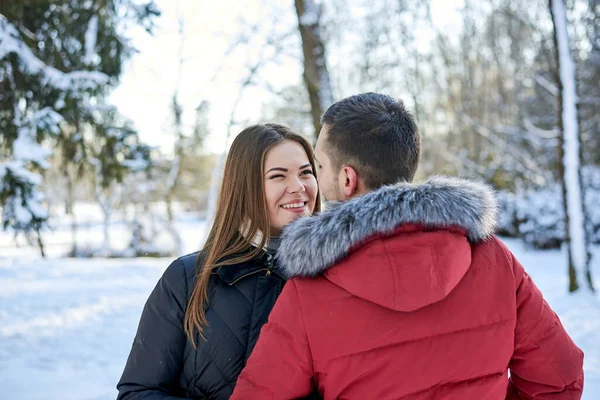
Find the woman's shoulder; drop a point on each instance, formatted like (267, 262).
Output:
(188, 262)
(182, 270)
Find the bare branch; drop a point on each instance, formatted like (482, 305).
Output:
(546, 84)
(539, 132)
(528, 167)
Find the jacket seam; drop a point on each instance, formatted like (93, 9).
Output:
(230, 329)
(404, 342)
(463, 381)
(529, 339)
(525, 332)
(246, 355)
(391, 267)
(510, 262)
(251, 304)
(304, 326)
(184, 358)
(263, 388)
(185, 282)
(213, 363)
(185, 305)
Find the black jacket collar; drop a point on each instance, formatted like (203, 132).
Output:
(231, 274)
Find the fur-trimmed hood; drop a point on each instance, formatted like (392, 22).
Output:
(312, 245)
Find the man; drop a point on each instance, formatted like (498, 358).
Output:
(401, 290)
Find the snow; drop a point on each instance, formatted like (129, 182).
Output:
(21, 214)
(21, 209)
(25, 147)
(21, 173)
(23, 205)
(325, 92)
(91, 35)
(34, 205)
(66, 325)
(546, 84)
(135, 165)
(571, 139)
(310, 16)
(10, 43)
(537, 214)
(173, 173)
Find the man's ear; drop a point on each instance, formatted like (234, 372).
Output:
(348, 182)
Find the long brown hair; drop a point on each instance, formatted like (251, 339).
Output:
(241, 202)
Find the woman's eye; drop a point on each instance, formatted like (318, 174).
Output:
(307, 172)
(276, 176)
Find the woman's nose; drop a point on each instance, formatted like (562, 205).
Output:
(296, 186)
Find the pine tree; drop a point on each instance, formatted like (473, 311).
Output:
(58, 60)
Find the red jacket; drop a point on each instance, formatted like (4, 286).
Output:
(413, 299)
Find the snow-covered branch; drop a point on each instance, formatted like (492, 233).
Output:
(25, 147)
(524, 163)
(546, 84)
(551, 134)
(91, 36)
(11, 43)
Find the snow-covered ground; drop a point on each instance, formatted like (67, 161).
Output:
(66, 325)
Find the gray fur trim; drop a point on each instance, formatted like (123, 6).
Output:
(310, 245)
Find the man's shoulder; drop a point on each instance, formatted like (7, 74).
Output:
(493, 252)
(307, 282)
(313, 289)
(492, 245)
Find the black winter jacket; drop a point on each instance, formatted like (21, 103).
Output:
(164, 365)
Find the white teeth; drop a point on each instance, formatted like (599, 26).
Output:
(293, 205)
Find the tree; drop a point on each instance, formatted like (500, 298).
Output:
(587, 48)
(114, 151)
(25, 119)
(316, 75)
(58, 59)
(577, 239)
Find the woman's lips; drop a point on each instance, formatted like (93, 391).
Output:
(298, 207)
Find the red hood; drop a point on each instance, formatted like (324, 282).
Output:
(406, 271)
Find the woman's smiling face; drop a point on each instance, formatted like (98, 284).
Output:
(290, 185)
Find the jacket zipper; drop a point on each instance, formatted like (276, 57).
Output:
(268, 263)
(251, 273)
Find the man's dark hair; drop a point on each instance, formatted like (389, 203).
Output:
(376, 135)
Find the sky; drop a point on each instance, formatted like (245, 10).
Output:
(210, 72)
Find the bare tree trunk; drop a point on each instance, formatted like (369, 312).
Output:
(174, 174)
(106, 204)
(106, 212)
(106, 227)
(70, 209)
(572, 189)
(40, 243)
(179, 153)
(316, 76)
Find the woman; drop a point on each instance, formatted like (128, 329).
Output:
(203, 318)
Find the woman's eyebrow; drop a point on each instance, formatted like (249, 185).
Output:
(278, 169)
(286, 170)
